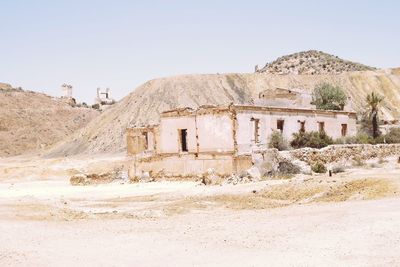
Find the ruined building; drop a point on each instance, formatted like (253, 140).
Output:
(67, 94)
(103, 97)
(67, 90)
(188, 142)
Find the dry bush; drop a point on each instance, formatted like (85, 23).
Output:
(277, 141)
(374, 165)
(358, 162)
(318, 167)
(382, 160)
(338, 169)
(365, 188)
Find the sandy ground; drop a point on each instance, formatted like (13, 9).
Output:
(350, 219)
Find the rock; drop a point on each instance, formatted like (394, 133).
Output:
(345, 153)
(254, 173)
(92, 178)
(210, 177)
(78, 179)
(145, 177)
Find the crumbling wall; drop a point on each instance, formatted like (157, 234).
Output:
(291, 124)
(169, 134)
(185, 165)
(140, 140)
(337, 153)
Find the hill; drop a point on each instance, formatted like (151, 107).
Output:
(106, 133)
(312, 62)
(5, 86)
(29, 120)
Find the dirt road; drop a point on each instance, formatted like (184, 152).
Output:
(343, 234)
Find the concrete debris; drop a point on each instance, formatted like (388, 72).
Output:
(254, 173)
(345, 153)
(210, 177)
(94, 178)
(145, 177)
(238, 179)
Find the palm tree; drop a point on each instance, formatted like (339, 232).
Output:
(373, 101)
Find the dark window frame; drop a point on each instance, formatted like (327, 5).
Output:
(280, 124)
(183, 144)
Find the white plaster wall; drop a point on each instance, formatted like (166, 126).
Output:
(215, 133)
(268, 123)
(245, 130)
(150, 138)
(169, 134)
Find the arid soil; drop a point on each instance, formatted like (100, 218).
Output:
(30, 121)
(350, 219)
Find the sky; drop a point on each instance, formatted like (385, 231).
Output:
(122, 44)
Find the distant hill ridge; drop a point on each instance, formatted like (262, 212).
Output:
(312, 62)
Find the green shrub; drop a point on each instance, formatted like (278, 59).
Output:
(393, 136)
(277, 141)
(96, 106)
(318, 167)
(329, 97)
(360, 138)
(311, 139)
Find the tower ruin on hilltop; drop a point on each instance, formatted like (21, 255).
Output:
(103, 97)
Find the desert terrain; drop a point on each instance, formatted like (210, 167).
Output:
(32, 121)
(349, 219)
(307, 219)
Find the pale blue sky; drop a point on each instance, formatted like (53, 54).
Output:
(122, 44)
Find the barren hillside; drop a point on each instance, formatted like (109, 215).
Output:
(29, 120)
(312, 62)
(106, 133)
(5, 86)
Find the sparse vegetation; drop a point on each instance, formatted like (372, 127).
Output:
(374, 165)
(393, 136)
(312, 62)
(96, 106)
(360, 138)
(338, 169)
(358, 162)
(318, 167)
(329, 97)
(277, 141)
(382, 160)
(311, 139)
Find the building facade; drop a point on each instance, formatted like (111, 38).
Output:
(188, 142)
